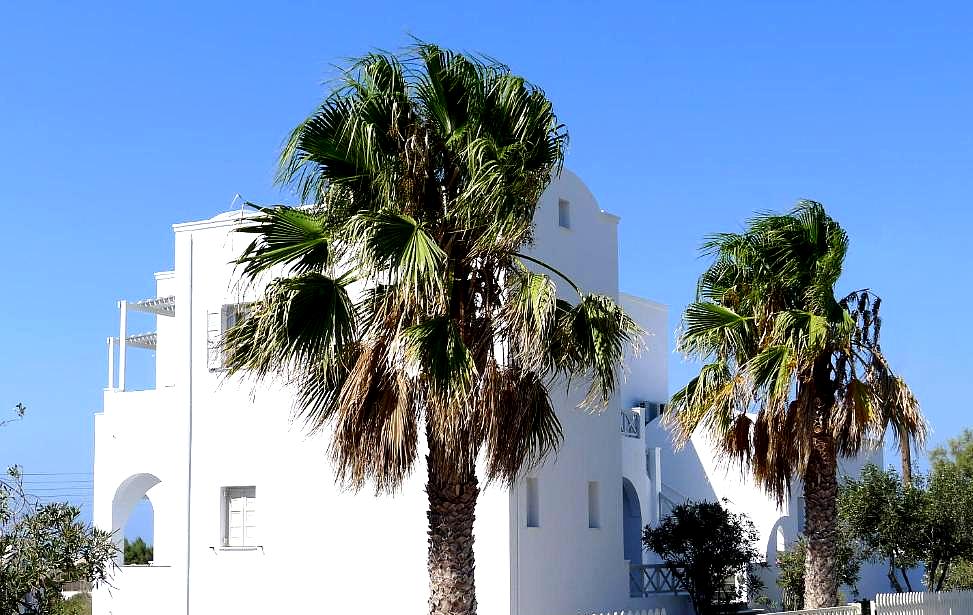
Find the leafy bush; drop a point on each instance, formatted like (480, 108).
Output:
(704, 545)
(790, 569)
(44, 547)
(78, 604)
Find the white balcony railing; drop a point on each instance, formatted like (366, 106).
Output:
(631, 424)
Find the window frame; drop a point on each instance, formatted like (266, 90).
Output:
(564, 214)
(217, 324)
(594, 505)
(227, 495)
(533, 501)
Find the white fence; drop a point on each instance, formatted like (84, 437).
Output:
(851, 609)
(635, 612)
(924, 603)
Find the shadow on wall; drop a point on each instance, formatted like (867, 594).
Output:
(683, 474)
(684, 477)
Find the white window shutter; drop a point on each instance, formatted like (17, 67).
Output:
(250, 520)
(214, 334)
(240, 529)
(229, 316)
(235, 520)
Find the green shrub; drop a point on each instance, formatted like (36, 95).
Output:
(78, 604)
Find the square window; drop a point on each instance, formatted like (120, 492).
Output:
(239, 516)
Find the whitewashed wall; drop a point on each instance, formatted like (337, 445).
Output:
(564, 566)
(321, 548)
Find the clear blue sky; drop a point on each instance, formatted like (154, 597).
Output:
(117, 120)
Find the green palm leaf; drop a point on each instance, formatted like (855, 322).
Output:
(396, 245)
(285, 235)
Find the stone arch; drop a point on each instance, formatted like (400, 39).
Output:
(129, 493)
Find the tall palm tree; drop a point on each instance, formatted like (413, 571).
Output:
(793, 377)
(400, 306)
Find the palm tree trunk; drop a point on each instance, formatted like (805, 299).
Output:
(452, 506)
(905, 449)
(821, 512)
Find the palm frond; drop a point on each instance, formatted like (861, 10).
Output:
(710, 329)
(302, 320)
(519, 425)
(589, 339)
(375, 422)
(712, 391)
(288, 236)
(436, 351)
(395, 245)
(528, 313)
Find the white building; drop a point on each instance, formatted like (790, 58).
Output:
(210, 452)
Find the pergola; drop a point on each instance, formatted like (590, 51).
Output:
(160, 306)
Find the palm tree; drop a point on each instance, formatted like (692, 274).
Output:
(793, 377)
(399, 304)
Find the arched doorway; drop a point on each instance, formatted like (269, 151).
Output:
(138, 533)
(631, 522)
(133, 492)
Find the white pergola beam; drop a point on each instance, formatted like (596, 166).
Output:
(122, 335)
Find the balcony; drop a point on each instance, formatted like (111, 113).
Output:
(631, 425)
(159, 306)
(651, 579)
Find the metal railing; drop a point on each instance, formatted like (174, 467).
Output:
(650, 579)
(631, 424)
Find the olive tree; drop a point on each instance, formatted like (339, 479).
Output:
(43, 546)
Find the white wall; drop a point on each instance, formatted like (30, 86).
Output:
(140, 444)
(646, 380)
(563, 566)
(321, 548)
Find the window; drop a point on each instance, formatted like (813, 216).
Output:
(594, 505)
(218, 323)
(563, 213)
(533, 504)
(240, 516)
(801, 519)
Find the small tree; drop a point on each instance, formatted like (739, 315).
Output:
(42, 547)
(957, 451)
(960, 576)
(946, 535)
(885, 516)
(790, 569)
(704, 544)
(929, 522)
(956, 457)
(137, 553)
